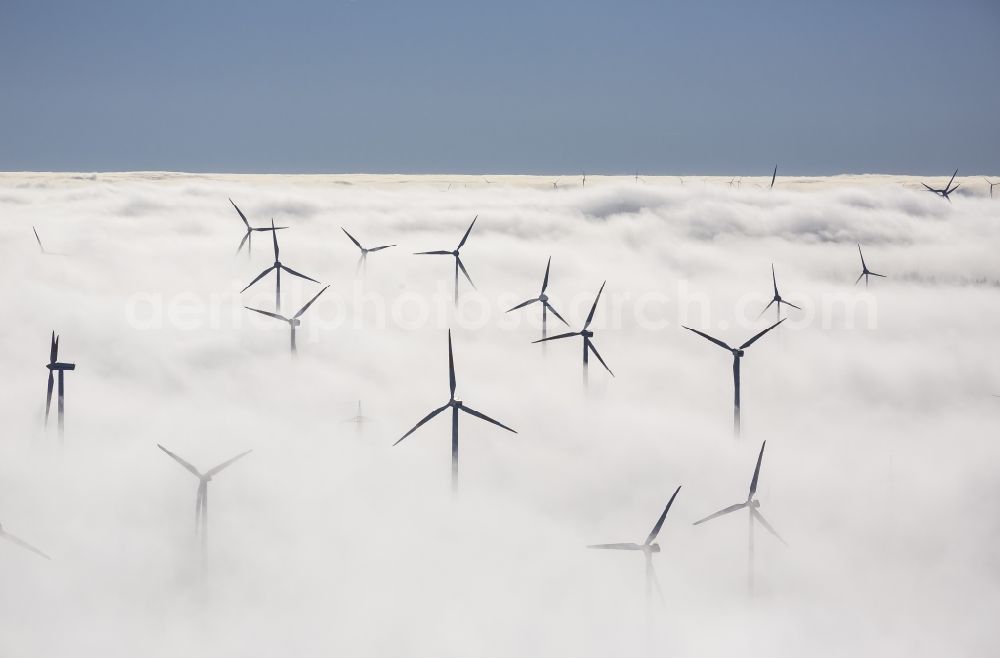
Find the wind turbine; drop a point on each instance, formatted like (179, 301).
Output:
(737, 355)
(456, 405)
(587, 334)
(865, 272)
(543, 299)
(753, 505)
(458, 258)
(945, 192)
(773, 177)
(52, 253)
(293, 322)
(277, 267)
(201, 501)
(54, 366)
(247, 237)
(992, 185)
(363, 260)
(359, 419)
(777, 297)
(648, 547)
(20, 542)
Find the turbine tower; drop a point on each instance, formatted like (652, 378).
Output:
(277, 267)
(543, 299)
(55, 366)
(293, 322)
(456, 405)
(458, 258)
(587, 334)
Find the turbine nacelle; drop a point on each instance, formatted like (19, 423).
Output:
(295, 322)
(652, 548)
(738, 353)
(456, 402)
(543, 298)
(587, 333)
(455, 253)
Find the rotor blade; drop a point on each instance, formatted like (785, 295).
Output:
(246, 236)
(298, 274)
(259, 277)
(242, 216)
(462, 267)
(765, 309)
(789, 304)
(53, 349)
(422, 421)
(38, 239)
(767, 526)
(48, 395)
(545, 281)
(274, 236)
(714, 340)
(862, 257)
(952, 180)
(542, 340)
(929, 188)
(440, 252)
(856, 281)
(180, 461)
(555, 313)
(268, 313)
(467, 231)
(774, 280)
(593, 349)
(309, 303)
(451, 366)
(756, 470)
(590, 316)
(879, 275)
(478, 414)
(659, 523)
(774, 175)
(522, 305)
(721, 512)
(356, 243)
(617, 547)
(226, 463)
(754, 339)
(381, 247)
(23, 544)
(954, 188)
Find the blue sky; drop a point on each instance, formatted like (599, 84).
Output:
(712, 87)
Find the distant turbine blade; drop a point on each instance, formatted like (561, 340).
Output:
(590, 316)
(309, 303)
(467, 231)
(759, 315)
(858, 280)
(478, 414)
(242, 216)
(555, 313)
(756, 470)
(929, 188)
(659, 523)
(706, 336)
(451, 367)
(259, 277)
(617, 547)
(48, 396)
(755, 338)
(298, 274)
(440, 252)
(53, 348)
(767, 526)
(774, 176)
(246, 237)
(542, 340)
(593, 349)
(274, 237)
(268, 313)
(878, 275)
(545, 281)
(522, 305)
(774, 280)
(954, 188)
(952, 180)
(38, 239)
(462, 267)
(862, 257)
(422, 421)
(381, 247)
(790, 304)
(181, 461)
(226, 463)
(721, 512)
(356, 243)
(23, 544)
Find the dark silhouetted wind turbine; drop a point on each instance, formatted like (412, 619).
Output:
(20, 542)
(293, 322)
(543, 299)
(248, 236)
(944, 192)
(458, 258)
(363, 259)
(201, 501)
(777, 298)
(737, 355)
(277, 267)
(992, 185)
(753, 505)
(456, 406)
(865, 272)
(54, 366)
(587, 334)
(648, 547)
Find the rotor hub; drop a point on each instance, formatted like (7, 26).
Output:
(587, 333)
(738, 353)
(543, 298)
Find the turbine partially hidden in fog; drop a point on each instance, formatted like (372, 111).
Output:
(944, 192)
(776, 299)
(456, 405)
(293, 322)
(201, 501)
(458, 258)
(363, 259)
(865, 272)
(737, 355)
(753, 505)
(587, 334)
(543, 299)
(359, 420)
(20, 542)
(248, 236)
(992, 185)
(277, 267)
(648, 547)
(56, 366)
(45, 252)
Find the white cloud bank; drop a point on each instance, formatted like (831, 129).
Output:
(881, 459)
